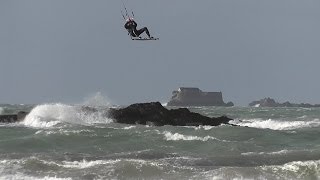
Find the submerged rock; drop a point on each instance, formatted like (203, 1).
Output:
(155, 114)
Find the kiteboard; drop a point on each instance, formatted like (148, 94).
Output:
(144, 39)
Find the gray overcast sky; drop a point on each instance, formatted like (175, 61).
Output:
(65, 50)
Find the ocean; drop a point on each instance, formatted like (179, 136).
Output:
(60, 141)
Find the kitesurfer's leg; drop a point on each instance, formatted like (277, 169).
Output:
(140, 31)
(132, 33)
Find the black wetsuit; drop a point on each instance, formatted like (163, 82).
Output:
(131, 26)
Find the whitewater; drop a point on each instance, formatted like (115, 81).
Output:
(63, 141)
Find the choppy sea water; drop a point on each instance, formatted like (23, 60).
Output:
(59, 141)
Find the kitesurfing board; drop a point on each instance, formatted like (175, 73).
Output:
(144, 39)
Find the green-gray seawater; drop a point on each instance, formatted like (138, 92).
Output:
(59, 141)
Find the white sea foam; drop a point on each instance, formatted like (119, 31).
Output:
(67, 132)
(86, 164)
(66, 164)
(1, 110)
(176, 137)
(284, 151)
(297, 165)
(50, 115)
(9, 169)
(20, 176)
(129, 127)
(277, 124)
(291, 170)
(206, 128)
(303, 117)
(300, 169)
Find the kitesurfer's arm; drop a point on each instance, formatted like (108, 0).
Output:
(127, 25)
(134, 24)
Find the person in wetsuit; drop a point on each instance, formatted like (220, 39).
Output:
(131, 27)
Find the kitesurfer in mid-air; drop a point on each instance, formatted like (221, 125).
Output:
(131, 27)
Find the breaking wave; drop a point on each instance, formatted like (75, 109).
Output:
(277, 124)
(26, 177)
(82, 168)
(284, 151)
(291, 170)
(298, 169)
(67, 132)
(176, 137)
(164, 104)
(50, 115)
(83, 164)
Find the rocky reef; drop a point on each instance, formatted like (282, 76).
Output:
(195, 97)
(157, 115)
(13, 118)
(269, 102)
(153, 114)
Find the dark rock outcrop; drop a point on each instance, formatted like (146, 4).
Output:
(195, 97)
(266, 102)
(155, 114)
(269, 102)
(13, 118)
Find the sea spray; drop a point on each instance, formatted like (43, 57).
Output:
(97, 100)
(50, 115)
(1, 110)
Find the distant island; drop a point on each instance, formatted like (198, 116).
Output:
(191, 96)
(269, 102)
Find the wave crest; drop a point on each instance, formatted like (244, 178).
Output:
(176, 137)
(277, 124)
(50, 115)
(298, 169)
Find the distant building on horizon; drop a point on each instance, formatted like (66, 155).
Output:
(192, 96)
